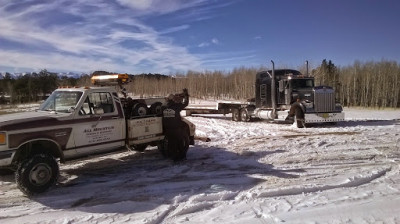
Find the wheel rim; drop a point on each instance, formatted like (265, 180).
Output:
(158, 110)
(40, 174)
(142, 111)
(244, 115)
(236, 115)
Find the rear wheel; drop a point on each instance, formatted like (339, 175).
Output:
(140, 147)
(299, 118)
(235, 114)
(163, 147)
(244, 115)
(37, 174)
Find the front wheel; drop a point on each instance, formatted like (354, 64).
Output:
(37, 174)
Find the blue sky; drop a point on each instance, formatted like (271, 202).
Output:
(169, 36)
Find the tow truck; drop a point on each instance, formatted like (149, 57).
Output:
(75, 122)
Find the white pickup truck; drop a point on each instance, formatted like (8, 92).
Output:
(72, 123)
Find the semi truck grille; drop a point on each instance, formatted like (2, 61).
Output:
(324, 100)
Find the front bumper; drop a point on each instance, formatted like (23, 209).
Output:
(323, 117)
(6, 158)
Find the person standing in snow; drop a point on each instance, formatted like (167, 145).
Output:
(175, 133)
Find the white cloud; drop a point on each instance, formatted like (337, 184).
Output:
(213, 41)
(204, 44)
(96, 40)
(136, 4)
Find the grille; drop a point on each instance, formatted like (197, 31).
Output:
(324, 100)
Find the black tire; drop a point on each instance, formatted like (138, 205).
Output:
(140, 147)
(244, 115)
(299, 118)
(186, 143)
(235, 115)
(37, 174)
(163, 147)
(171, 145)
(140, 110)
(156, 108)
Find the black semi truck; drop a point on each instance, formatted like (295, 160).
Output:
(284, 95)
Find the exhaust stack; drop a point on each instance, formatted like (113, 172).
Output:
(306, 67)
(273, 90)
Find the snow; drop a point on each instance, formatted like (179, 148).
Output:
(257, 172)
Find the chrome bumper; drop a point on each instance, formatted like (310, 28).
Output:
(323, 117)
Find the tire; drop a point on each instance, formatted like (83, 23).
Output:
(140, 109)
(163, 147)
(185, 142)
(171, 145)
(156, 108)
(140, 147)
(299, 118)
(236, 115)
(37, 174)
(244, 115)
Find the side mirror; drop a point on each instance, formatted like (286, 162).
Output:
(71, 110)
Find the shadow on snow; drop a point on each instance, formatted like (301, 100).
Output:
(141, 182)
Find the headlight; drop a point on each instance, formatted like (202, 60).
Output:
(3, 138)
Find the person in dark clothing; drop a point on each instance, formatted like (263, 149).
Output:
(174, 128)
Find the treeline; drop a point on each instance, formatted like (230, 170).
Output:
(32, 87)
(237, 84)
(370, 84)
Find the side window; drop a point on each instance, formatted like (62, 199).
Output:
(102, 101)
(87, 108)
(97, 103)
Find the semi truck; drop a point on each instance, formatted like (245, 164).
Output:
(73, 123)
(282, 95)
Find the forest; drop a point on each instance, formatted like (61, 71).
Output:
(362, 84)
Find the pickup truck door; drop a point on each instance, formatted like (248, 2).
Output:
(100, 124)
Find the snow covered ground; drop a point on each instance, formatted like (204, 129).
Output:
(258, 172)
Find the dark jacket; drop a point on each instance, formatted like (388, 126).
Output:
(171, 113)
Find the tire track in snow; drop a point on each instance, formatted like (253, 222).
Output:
(351, 182)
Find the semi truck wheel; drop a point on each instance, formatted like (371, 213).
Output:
(299, 118)
(235, 114)
(244, 115)
(37, 174)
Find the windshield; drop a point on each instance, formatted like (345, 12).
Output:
(61, 101)
(302, 83)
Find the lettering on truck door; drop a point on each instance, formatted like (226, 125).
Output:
(101, 125)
